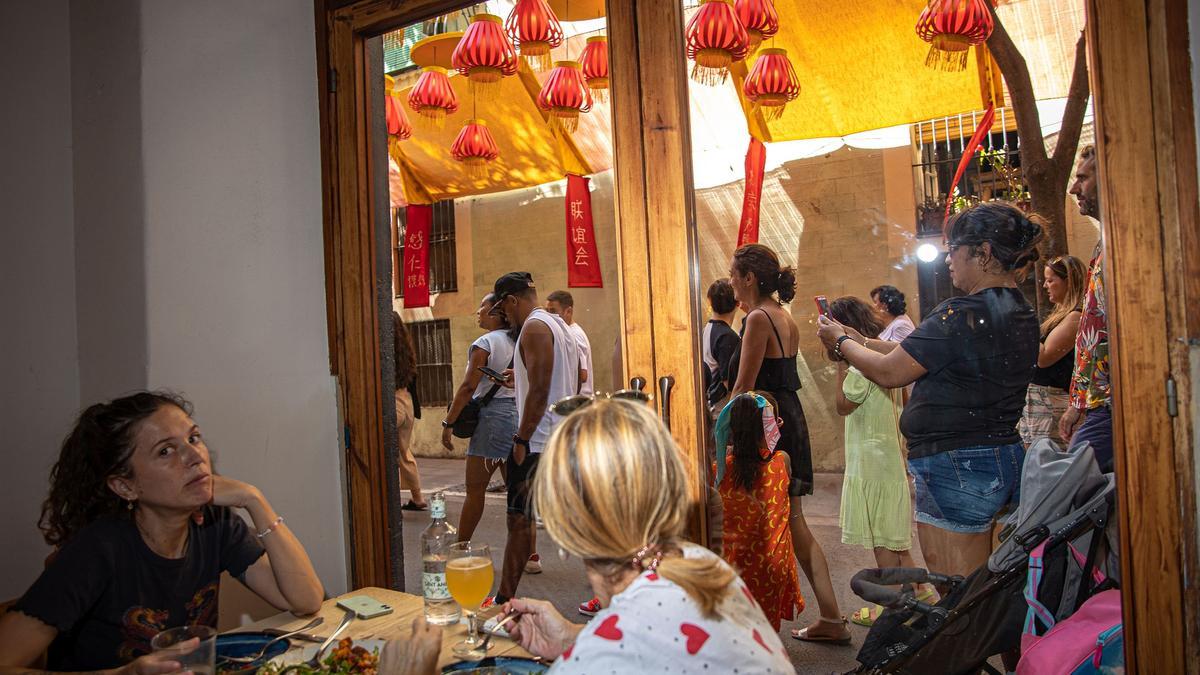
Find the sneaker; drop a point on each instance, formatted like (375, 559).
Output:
(496, 487)
(590, 608)
(489, 603)
(534, 564)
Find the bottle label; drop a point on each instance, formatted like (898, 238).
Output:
(437, 509)
(433, 585)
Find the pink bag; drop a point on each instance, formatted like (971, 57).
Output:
(1088, 641)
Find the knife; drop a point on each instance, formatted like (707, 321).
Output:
(307, 637)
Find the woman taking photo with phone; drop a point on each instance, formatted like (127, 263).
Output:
(143, 529)
(766, 361)
(972, 359)
(495, 406)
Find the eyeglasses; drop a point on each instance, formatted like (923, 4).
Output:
(570, 404)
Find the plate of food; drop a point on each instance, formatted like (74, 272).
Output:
(346, 657)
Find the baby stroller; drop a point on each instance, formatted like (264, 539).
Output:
(1065, 502)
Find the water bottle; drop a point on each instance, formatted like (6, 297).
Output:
(440, 608)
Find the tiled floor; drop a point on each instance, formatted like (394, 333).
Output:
(564, 584)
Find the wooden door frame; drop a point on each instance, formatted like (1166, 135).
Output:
(650, 129)
(1145, 140)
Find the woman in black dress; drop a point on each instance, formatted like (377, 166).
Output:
(767, 362)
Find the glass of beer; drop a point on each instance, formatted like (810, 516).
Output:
(469, 577)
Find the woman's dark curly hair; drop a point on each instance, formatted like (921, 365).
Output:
(765, 264)
(98, 448)
(1012, 234)
(747, 436)
(891, 297)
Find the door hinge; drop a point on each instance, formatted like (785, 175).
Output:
(332, 81)
(1172, 398)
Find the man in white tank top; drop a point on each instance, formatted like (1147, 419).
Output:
(545, 369)
(563, 304)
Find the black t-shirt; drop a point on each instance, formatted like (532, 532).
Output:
(980, 351)
(108, 594)
(722, 342)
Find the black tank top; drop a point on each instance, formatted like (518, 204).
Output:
(775, 374)
(1057, 374)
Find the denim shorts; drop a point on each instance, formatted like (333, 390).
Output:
(964, 490)
(497, 424)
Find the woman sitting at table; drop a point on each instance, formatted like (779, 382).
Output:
(143, 529)
(611, 490)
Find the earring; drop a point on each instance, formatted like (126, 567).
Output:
(128, 504)
(562, 555)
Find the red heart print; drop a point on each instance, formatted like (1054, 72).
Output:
(653, 576)
(748, 594)
(759, 640)
(608, 629)
(567, 654)
(696, 636)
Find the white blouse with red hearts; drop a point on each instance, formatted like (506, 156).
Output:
(653, 626)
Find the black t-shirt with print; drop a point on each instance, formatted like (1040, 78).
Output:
(980, 351)
(108, 594)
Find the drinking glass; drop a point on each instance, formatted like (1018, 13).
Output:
(469, 577)
(201, 659)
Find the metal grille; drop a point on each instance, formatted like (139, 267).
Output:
(435, 376)
(995, 173)
(443, 254)
(396, 46)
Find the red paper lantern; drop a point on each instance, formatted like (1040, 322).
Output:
(484, 53)
(475, 148)
(772, 83)
(565, 95)
(535, 30)
(595, 66)
(398, 125)
(760, 19)
(432, 96)
(952, 27)
(715, 39)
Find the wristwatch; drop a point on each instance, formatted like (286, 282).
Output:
(517, 440)
(447, 425)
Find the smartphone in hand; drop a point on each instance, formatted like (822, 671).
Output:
(493, 375)
(822, 305)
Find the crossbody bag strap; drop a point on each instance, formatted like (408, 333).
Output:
(487, 398)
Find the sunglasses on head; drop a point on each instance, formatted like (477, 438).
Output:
(570, 404)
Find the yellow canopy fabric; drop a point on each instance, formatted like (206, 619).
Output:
(861, 66)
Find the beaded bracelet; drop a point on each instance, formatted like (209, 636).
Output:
(269, 530)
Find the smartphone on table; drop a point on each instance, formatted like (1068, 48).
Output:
(822, 305)
(365, 607)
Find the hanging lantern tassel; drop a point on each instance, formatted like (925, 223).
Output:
(484, 54)
(432, 97)
(715, 39)
(535, 30)
(595, 67)
(475, 148)
(760, 19)
(772, 83)
(565, 95)
(952, 27)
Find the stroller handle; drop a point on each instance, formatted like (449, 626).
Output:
(872, 584)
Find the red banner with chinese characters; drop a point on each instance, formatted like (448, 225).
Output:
(756, 162)
(417, 223)
(583, 264)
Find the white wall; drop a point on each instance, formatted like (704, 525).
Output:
(235, 298)
(39, 365)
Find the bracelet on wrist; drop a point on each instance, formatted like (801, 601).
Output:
(271, 528)
(517, 440)
(837, 347)
(446, 424)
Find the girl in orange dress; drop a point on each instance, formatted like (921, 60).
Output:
(753, 483)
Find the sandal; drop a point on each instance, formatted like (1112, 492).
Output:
(802, 634)
(929, 595)
(866, 616)
(413, 506)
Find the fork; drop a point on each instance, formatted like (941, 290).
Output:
(251, 659)
(315, 661)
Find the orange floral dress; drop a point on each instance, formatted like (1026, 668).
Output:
(758, 542)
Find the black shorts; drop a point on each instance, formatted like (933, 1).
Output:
(520, 483)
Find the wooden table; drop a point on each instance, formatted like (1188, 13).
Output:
(394, 626)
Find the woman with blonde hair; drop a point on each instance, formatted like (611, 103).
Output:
(612, 490)
(1048, 396)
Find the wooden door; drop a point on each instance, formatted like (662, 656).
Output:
(659, 303)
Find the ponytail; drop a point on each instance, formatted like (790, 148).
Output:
(706, 580)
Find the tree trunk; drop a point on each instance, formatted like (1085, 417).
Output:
(1046, 175)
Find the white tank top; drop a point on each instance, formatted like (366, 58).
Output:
(564, 380)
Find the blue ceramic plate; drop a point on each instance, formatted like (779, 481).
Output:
(508, 664)
(246, 644)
